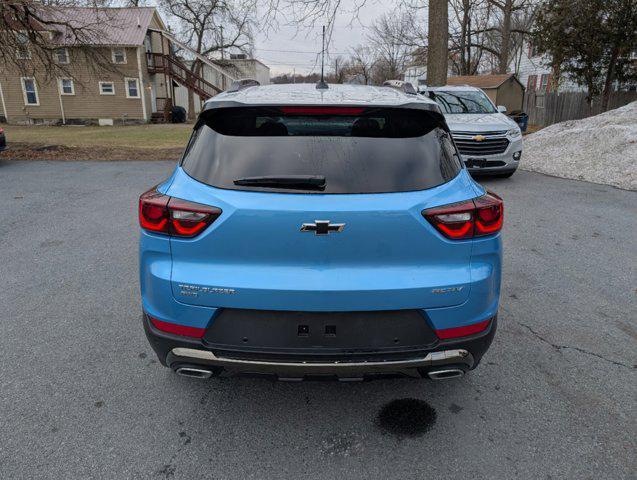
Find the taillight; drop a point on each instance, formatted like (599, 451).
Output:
(153, 211)
(447, 333)
(474, 218)
(177, 329)
(172, 216)
(489, 214)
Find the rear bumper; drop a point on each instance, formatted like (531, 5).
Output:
(180, 352)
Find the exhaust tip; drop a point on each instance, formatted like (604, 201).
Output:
(193, 372)
(445, 374)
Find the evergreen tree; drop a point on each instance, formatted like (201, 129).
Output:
(589, 42)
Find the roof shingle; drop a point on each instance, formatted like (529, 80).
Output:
(480, 81)
(100, 26)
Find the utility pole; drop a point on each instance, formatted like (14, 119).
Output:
(438, 40)
(321, 85)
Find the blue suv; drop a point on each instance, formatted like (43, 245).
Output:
(320, 232)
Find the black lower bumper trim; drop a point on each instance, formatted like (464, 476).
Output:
(273, 332)
(357, 363)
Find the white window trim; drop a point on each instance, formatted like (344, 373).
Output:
(68, 57)
(62, 92)
(107, 93)
(25, 45)
(27, 53)
(24, 92)
(136, 80)
(113, 56)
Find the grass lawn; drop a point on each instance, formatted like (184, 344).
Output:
(138, 142)
(138, 136)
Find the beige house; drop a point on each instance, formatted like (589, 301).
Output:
(131, 76)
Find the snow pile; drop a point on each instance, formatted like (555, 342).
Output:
(599, 149)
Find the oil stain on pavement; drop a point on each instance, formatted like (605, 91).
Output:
(406, 417)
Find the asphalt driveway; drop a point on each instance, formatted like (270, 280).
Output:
(82, 396)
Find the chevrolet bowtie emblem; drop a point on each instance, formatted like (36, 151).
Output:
(322, 227)
(479, 138)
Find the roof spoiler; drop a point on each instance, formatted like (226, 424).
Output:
(242, 83)
(400, 85)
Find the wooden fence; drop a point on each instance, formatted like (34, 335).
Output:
(547, 109)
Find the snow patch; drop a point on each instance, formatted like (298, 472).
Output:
(599, 149)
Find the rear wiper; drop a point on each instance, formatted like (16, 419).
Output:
(314, 182)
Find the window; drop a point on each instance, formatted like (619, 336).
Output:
(62, 56)
(30, 91)
(531, 83)
(544, 81)
(22, 51)
(118, 55)
(132, 87)
(469, 101)
(107, 88)
(387, 149)
(533, 51)
(67, 87)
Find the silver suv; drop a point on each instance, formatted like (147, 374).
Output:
(489, 141)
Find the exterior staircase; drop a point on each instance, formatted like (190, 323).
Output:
(176, 70)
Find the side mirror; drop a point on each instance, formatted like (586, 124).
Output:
(502, 109)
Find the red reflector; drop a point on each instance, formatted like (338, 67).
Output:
(178, 329)
(322, 110)
(467, 330)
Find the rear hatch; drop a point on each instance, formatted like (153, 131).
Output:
(321, 211)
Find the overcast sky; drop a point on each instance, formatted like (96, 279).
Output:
(286, 49)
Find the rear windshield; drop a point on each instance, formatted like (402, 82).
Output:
(356, 150)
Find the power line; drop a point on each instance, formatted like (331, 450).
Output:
(300, 51)
(277, 62)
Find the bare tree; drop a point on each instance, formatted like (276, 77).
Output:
(362, 63)
(390, 38)
(31, 33)
(509, 17)
(438, 40)
(469, 19)
(211, 26)
(313, 12)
